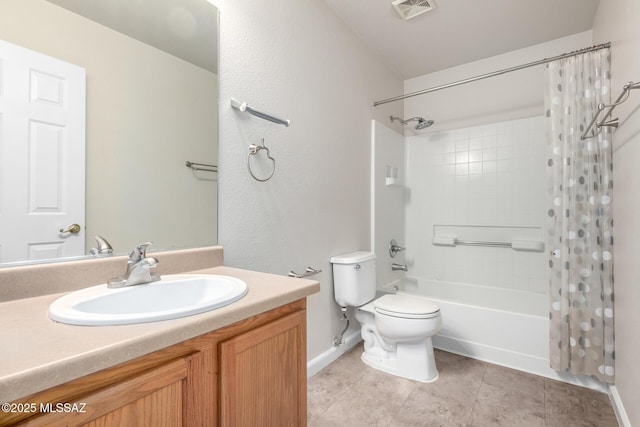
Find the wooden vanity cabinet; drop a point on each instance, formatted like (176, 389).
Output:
(263, 375)
(250, 373)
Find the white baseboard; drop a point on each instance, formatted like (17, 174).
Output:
(511, 359)
(325, 359)
(618, 407)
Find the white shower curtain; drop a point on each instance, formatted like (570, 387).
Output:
(580, 222)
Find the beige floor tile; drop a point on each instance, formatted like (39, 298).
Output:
(505, 405)
(373, 401)
(467, 393)
(324, 388)
(423, 407)
(568, 405)
(515, 381)
(460, 378)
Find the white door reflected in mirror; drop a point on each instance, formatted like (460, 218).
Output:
(42, 141)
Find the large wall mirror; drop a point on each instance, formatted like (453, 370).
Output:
(146, 103)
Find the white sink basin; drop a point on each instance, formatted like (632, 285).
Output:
(177, 295)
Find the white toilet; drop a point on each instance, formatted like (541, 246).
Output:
(396, 329)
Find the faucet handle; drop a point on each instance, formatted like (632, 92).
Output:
(140, 252)
(394, 248)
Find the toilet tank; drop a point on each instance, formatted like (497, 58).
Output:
(354, 278)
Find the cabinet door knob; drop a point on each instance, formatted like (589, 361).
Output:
(73, 229)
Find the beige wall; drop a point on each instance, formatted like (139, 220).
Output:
(147, 113)
(297, 60)
(617, 21)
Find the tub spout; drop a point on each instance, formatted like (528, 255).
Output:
(401, 267)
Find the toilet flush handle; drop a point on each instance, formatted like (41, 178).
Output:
(357, 267)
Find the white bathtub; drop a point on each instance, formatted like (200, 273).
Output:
(511, 300)
(501, 326)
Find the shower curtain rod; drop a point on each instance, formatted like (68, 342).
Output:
(494, 73)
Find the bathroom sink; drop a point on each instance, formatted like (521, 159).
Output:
(177, 295)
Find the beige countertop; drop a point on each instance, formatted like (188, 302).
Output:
(37, 353)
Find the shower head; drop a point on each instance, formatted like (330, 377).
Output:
(422, 123)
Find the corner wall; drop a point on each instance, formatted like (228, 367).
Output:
(617, 22)
(297, 60)
(389, 191)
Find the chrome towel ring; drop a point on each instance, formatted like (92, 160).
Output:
(255, 149)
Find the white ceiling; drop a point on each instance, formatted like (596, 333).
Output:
(460, 31)
(187, 29)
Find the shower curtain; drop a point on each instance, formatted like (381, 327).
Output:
(580, 223)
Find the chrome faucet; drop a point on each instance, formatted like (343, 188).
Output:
(103, 247)
(138, 269)
(401, 267)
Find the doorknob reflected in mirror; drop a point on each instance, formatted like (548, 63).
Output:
(73, 229)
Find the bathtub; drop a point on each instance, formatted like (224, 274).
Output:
(496, 325)
(508, 300)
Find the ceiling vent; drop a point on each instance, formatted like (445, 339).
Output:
(408, 9)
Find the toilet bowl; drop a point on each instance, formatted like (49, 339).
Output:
(402, 318)
(399, 342)
(396, 329)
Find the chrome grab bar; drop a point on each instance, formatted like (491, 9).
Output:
(482, 243)
(516, 245)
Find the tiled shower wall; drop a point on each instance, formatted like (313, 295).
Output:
(491, 175)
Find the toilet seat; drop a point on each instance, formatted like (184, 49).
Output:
(404, 306)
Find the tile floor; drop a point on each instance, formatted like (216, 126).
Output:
(467, 393)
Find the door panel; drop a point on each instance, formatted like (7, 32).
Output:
(42, 153)
(263, 375)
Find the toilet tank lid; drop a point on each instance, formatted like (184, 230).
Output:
(396, 303)
(353, 257)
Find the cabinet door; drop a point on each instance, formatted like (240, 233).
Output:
(159, 397)
(263, 375)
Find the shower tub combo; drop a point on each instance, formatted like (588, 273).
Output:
(474, 239)
(500, 325)
(503, 326)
